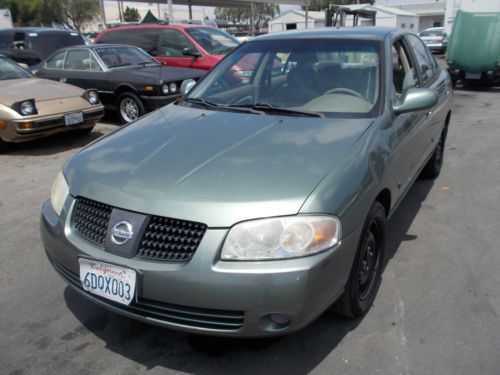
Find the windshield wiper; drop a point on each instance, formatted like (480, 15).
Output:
(211, 105)
(146, 63)
(118, 65)
(268, 108)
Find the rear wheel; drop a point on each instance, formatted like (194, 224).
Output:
(366, 271)
(130, 107)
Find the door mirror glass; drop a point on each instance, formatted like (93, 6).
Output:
(190, 52)
(415, 99)
(187, 85)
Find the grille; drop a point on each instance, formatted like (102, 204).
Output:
(91, 220)
(195, 317)
(164, 238)
(171, 239)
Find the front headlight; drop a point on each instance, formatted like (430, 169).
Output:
(27, 108)
(281, 237)
(164, 89)
(172, 87)
(58, 193)
(93, 97)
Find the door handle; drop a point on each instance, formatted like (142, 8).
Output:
(428, 113)
(447, 92)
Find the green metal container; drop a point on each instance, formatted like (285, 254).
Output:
(474, 46)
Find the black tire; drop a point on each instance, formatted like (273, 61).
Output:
(433, 167)
(129, 107)
(3, 145)
(366, 272)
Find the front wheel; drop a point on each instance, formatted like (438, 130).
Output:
(366, 272)
(130, 107)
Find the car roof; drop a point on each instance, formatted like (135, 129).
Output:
(369, 32)
(40, 30)
(157, 26)
(94, 46)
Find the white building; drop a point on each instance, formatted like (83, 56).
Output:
(430, 14)
(386, 16)
(295, 19)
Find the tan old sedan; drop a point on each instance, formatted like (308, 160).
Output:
(32, 108)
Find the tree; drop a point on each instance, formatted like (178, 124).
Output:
(131, 14)
(241, 15)
(320, 5)
(79, 12)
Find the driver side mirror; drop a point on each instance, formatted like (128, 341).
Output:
(191, 52)
(415, 99)
(187, 85)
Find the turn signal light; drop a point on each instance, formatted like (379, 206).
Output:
(3, 125)
(25, 125)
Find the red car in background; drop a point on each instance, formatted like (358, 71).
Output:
(183, 45)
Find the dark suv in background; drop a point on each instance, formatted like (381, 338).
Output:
(31, 45)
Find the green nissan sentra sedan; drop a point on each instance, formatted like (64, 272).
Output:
(252, 205)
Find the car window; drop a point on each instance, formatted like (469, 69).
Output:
(432, 33)
(214, 41)
(45, 43)
(57, 61)
(423, 62)
(115, 57)
(147, 39)
(94, 65)
(6, 38)
(331, 76)
(173, 43)
(404, 75)
(77, 60)
(10, 70)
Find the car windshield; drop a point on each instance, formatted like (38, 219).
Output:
(318, 76)
(212, 40)
(114, 57)
(432, 33)
(47, 42)
(10, 70)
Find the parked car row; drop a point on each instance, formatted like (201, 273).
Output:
(126, 78)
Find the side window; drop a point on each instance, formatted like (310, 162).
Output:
(403, 72)
(57, 61)
(147, 39)
(423, 62)
(173, 43)
(94, 65)
(77, 60)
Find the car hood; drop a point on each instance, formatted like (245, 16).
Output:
(15, 90)
(162, 72)
(214, 167)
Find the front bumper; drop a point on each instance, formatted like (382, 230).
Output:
(154, 102)
(42, 126)
(207, 295)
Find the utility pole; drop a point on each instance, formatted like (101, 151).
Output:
(103, 13)
(252, 18)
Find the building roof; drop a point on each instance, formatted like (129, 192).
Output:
(318, 16)
(423, 9)
(381, 8)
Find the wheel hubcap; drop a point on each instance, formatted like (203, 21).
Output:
(439, 153)
(368, 266)
(129, 109)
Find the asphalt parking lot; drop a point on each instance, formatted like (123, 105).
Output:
(437, 312)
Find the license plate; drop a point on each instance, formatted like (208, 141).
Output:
(73, 118)
(472, 75)
(108, 280)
